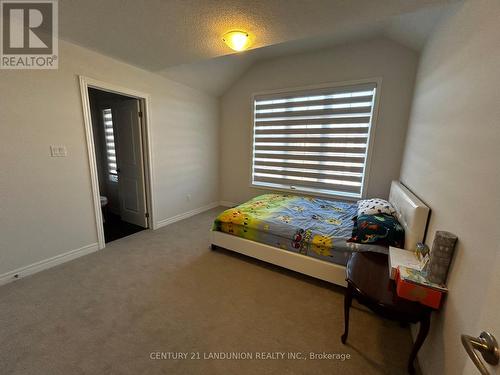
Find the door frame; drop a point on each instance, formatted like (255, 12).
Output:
(144, 102)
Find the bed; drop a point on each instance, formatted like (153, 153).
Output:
(292, 219)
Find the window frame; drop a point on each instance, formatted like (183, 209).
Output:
(377, 81)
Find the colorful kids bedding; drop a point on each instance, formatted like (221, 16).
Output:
(310, 226)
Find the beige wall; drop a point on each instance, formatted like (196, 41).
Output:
(451, 161)
(46, 206)
(369, 59)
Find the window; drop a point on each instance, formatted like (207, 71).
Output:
(313, 141)
(110, 145)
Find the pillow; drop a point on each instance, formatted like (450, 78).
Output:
(381, 229)
(375, 206)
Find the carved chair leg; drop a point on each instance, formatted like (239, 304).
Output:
(422, 334)
(347, 306)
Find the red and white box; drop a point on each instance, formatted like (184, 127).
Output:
(409, 289)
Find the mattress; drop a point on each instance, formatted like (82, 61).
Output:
(310, 226)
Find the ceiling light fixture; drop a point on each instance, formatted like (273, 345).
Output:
(236, 40)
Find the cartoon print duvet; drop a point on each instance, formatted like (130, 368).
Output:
(310, 226)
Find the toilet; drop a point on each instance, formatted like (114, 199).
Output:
(104, 202)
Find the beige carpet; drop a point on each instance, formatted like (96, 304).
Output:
(166, 291)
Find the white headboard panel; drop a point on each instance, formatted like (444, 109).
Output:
(412, 213)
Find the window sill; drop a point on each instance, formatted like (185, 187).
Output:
(305, 191)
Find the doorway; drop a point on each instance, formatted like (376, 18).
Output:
(118, 153)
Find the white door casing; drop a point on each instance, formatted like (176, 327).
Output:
(85, 84)
(129, 152)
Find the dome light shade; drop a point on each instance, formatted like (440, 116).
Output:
(236, 40)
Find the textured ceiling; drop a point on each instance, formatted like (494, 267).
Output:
(216, 75)
(181, 39)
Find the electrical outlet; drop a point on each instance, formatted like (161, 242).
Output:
(58, 151)
(188, 197)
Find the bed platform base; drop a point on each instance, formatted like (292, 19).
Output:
(331, 272)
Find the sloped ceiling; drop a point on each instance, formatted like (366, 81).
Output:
(181, 39)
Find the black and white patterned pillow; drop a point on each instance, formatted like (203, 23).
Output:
(375, 206)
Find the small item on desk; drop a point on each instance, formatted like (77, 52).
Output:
(423, 253)
(422, 250)
(411, 284)
(443, 248)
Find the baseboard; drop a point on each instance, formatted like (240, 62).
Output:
(227, 204)
(185, 215)
(47, 263)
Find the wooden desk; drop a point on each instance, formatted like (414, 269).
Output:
(368, 282)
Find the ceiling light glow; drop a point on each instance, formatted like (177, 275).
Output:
(236, 40)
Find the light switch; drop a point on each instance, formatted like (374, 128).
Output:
(58, 151)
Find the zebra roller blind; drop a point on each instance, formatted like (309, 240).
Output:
(110, 145)
(315, 141)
